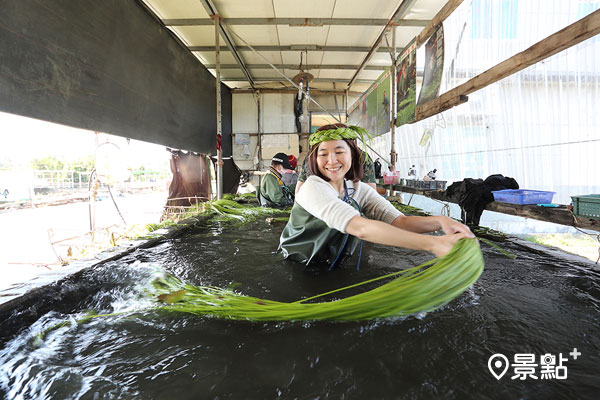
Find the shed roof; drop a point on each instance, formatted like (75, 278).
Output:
(331, 38)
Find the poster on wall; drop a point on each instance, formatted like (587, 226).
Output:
(372, 110)
(383, 104)
(434, 67)
(407, 85)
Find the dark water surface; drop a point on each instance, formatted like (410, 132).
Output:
(535, 304)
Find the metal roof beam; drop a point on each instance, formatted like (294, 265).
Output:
(280, 79)
(212, 10)
(314, 92)
(299, 22)
(296, 66)
(309, 47)
(400, 12)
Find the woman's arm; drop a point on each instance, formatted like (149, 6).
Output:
(392, 235)
(431, 224)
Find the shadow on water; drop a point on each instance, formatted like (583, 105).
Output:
(537, 304)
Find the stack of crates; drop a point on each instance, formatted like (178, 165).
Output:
(587, 206)
(426, 185)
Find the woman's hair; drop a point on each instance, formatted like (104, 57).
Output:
(355, 173)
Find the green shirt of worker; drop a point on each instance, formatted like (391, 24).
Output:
(272, 191)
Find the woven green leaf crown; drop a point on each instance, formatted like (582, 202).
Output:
(351, 132)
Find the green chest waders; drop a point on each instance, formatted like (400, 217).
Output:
(264, 198)
(307, 239)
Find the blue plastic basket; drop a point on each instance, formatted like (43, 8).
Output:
(523, 196)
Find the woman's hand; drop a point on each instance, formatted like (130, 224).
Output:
(443, 244)
(450, 227)
(454, 231)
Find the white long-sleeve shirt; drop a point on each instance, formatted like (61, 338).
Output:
(321, 200)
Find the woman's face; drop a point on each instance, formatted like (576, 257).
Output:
(334, 159)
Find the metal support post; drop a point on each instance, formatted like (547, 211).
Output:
(393, 154)
(219, 129)
(346, 105)
(259, 128)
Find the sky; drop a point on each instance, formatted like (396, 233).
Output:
(23, 139)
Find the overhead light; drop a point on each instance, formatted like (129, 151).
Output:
(302, 77)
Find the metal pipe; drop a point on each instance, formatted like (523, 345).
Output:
(346, 104)
(259, 126)
(393, 155)
(278, 79)
(336, 103)
(212, 11)
(219, 133)
(306, 67)
(291, 90)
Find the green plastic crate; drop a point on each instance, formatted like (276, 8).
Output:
(587, 206)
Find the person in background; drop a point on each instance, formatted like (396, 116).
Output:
(289, 176)
(377, 168)
(430, 175)
(272, 191)
(412, 172)
(368, 166)
(335, 209)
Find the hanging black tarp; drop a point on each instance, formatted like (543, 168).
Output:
(231, 174)
(108, 66)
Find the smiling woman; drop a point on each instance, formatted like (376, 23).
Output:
(334, 211)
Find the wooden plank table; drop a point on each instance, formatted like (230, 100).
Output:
(561, 215)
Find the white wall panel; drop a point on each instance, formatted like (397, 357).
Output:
(277, 116)
(244, 111)
(278, 113)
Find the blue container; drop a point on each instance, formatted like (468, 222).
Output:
(522, 196)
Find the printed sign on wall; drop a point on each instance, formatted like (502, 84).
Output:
(372, 110)
(407, 85)
(434, 67)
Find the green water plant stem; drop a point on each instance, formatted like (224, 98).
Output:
(418, 289)
(422, 288)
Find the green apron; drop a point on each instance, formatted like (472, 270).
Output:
(307, 239)
(273, 193)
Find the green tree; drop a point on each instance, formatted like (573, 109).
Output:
(83, 164)
(82, 167)
(48, 163)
